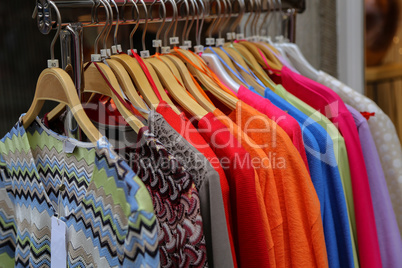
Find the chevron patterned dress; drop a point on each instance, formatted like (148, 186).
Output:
(176, 203)
(107, 209)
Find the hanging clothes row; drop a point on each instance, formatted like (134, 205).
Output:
(236, 154)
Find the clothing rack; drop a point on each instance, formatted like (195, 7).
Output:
(79, 14)
(82, 11)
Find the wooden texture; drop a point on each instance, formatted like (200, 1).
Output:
(183, 74)
(95, 83)
(56, 85)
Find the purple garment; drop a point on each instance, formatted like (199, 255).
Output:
(389, 237)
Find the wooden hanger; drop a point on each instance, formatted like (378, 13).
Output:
(138, 77)
(157, 80)
(176, 90)
(268, 51)
(127, 85)
(271, 60)
(254, 65)
(95, 83)
(56, 85)
(227, 99)
(227, 61)
(246, 75)
(181, 72)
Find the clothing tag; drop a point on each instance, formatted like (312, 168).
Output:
(253, 39)
(119, 49)
(210, 41)
(145, 54)
(58, 248)
(229, 36)
(129, 52)
(187, 43)
(165, 50)
(68, 147)
(198, 49)
(53, 63)
(220, 42)
(156, 43)
(174, 40)
(103, 53)
(114, 50)
(96, 57)
(240, 36)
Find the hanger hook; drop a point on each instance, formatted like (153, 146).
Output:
(109, 22)
(278, 13)
(116, 28)
(137, 21)
(227, 9)
(242, 10)
(257, 13)
(173, 22)
(187, 16)
(158, 33)
(195, 11)
(217, 20)
(122, 11)
(57, 31)
(97, 5)
(249, 17)
(264, 20)
(199, 25)
(228, 17)
(96, 44)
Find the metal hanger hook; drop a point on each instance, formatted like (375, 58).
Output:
(249, 17)
(56, 36)
(187, 16)
(242, 10)
(229, 16)
(217, 20)
(108, 8)
(194, 13)
(116, 28)
(199, 25)
(257, 13)
(264, 20)
(174, 21)
(96, 44)
(46, 26)
(137, 21)
(163, 20)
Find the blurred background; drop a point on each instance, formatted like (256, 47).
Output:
(383, 46)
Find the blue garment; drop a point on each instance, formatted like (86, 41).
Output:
(328, 185)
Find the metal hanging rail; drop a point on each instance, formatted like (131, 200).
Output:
(82, 11)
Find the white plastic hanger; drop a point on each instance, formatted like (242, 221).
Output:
(294, 54)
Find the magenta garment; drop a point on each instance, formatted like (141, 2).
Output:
(284, 120)
(388, 233)
(330, 104)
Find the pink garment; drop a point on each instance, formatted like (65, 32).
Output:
(284, 120)
(330, 104)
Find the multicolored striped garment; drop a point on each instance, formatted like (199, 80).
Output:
(176, 202)
(107, 209)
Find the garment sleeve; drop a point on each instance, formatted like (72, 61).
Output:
(214, 222)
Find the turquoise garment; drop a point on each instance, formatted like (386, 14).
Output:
(332, 199)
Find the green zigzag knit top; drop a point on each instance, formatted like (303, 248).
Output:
(107, 209)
